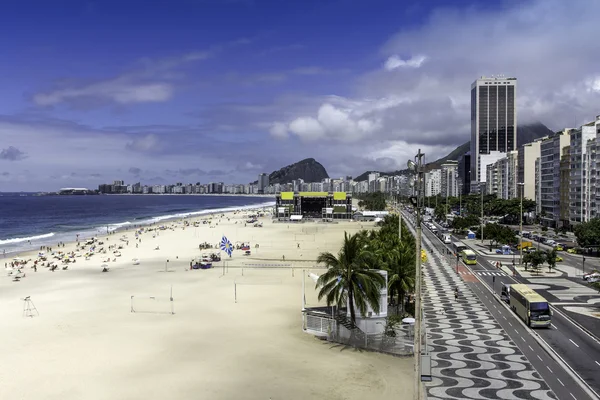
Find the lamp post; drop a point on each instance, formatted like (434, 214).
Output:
(417, 166)
(521, 225)
(481, 190)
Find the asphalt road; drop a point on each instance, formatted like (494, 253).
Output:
(577, 349)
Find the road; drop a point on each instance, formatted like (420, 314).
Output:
(577, 349)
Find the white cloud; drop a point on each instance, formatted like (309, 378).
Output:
(279, 130)
(394, 62)
(427, 105)
(144, 144)
(118, 90)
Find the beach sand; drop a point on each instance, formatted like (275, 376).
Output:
(87, 344)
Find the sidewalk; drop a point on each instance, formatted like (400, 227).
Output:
(469, 350)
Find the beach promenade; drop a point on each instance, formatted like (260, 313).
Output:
(472, 356)
(86, 343)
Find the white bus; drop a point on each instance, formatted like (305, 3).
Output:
(530, 306)
(458, 247)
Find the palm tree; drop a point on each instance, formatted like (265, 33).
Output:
(401, 265)
(350, 276)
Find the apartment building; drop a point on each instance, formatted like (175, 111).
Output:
(528, 153)
(579, 182)
(549, 184)
(449, 179)
(433, 182)
(565, 181)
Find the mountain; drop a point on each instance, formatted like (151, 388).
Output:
(309, 169)
(525, 134)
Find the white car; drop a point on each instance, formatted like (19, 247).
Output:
(592, 277)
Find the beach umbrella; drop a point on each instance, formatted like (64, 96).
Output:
(136, 261)
(410, 321)
(104, 266)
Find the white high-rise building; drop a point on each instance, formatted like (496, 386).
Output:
(493, 121)
(528, 153)
(579, 185)
(449, 179)
(433, 182)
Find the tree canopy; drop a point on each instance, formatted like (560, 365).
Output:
(372, 201)
(588, 233)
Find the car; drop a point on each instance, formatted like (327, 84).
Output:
(559, 259)
(592, 276)
(559, 247)
(550, 242)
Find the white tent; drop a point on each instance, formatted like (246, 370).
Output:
(296, 217)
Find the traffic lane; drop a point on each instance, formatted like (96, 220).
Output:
(578, 349)
(561, 383)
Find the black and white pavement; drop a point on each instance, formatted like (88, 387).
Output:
(472, 356)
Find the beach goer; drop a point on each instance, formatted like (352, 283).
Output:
(456, 294)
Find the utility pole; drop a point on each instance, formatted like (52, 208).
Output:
(521, 227)
(417, 166)
(481, 190)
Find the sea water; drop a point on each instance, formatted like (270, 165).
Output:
(28, 221)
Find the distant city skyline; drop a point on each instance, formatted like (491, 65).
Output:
(225, 90)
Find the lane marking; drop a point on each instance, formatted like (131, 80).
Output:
(559, 381)
(574, 343)
(573, 396)
(597, 362)
(509, 323)
(522, 338)
(531, 348)
(549, 369)
(540, 358)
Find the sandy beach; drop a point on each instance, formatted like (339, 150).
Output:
(86, 343)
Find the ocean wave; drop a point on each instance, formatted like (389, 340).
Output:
(26, 239)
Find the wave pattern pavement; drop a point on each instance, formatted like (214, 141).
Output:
(472, 356)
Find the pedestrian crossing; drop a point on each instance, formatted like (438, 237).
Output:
(483, 273)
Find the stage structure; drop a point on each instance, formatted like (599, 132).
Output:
(296, 206)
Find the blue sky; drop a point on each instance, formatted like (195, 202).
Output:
(221, 90)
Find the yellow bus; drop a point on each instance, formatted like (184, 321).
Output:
(469, 257)
(530, 306)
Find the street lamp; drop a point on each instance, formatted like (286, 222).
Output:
(481, 190)
(521, 224)
(417, 167)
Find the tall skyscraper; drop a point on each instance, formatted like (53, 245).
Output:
(263, 182)
(493, 121)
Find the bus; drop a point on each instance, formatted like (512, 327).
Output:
(459, 247)
(530, 306)
(468, 256)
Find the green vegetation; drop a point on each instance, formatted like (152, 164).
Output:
(471, 206)
(551, 259)
(588, 233)
(534, 259)
(351, 275)
(372, 201)
(498, 234)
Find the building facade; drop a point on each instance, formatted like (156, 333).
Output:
(551, 150)
(493, 120)
(528, 153)
(565, 182)
(433, 182)
(579, 189)
(449, 179)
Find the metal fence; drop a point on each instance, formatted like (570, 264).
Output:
(399, 342)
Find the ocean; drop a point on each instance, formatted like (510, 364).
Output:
(47, 220)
